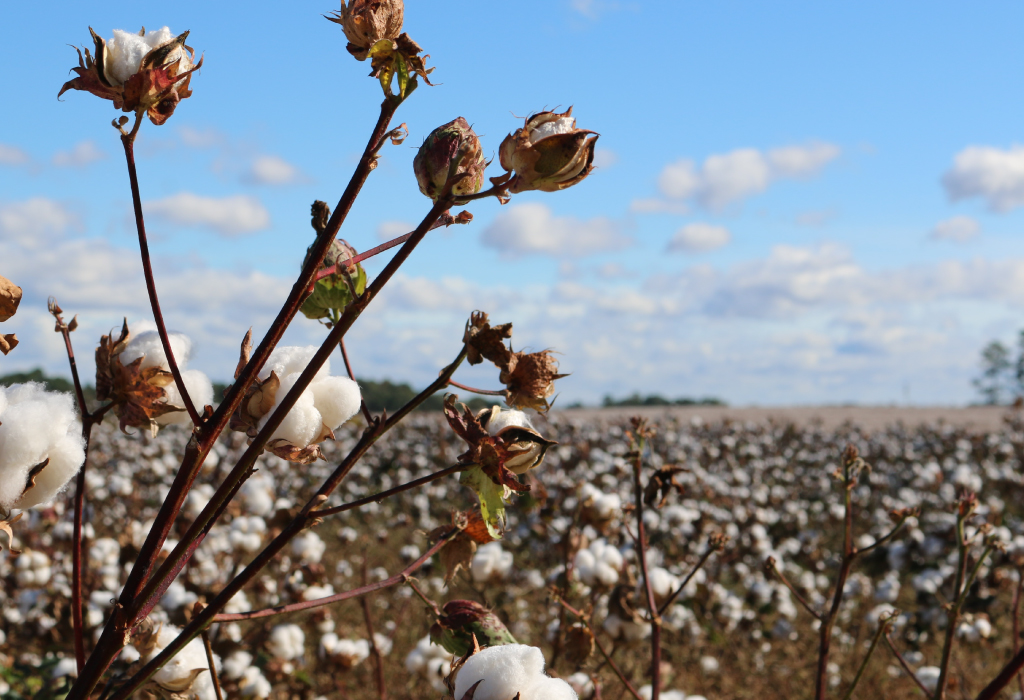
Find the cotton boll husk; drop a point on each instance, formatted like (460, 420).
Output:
(147, 345)
(507, 670)
(303, 422)
(337, 399)
(66, 458)
(180, 667)
(508, 419)
(199, 388)
(292, 359)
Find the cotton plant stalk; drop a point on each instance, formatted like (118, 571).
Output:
(284, 399)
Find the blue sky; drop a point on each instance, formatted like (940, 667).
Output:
(797, 202)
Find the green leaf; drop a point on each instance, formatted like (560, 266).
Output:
(491, 496)
(402, 70)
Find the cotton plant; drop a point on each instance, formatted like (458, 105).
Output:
(600, 564)
(431, 662)
(491, 563)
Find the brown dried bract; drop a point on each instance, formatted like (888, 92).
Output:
(548, 153)
(491, 453)
(661, 485)
(10, 298)
(485, 341)
(529, 380)
(138, 394)
(365, 22)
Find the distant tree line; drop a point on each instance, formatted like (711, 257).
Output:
(657, 400)
(1002, 375)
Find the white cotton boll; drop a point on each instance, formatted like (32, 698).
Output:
(177, 597)
(126, 50)
(147, 345)
(36, 425)
(709, 664)
(33, 569)
(65, 667)
(303, 423)
(430, 661)
(129, 655)
(292, 359)
(317, 592)
(336, 398)
(384, 644)
(199, 389)
(600, 563)
(507, 670)
(286, 642)
(247, 533)
(308, 547)
(500, 420)
(491, 563)
(181, 665)
(258, 495)
(663, 583)
(253, 684)
(104, 552)
(582, 684)
(929, 677)
(236, 663)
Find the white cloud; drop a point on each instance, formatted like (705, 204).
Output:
(731, 177)
(201, 138)
(654, 205)
(82, 154)
(605, 158)
(12, 155)
(386, 230)
(815, 217)
(699, 237)
(532, 228)
(230, 216)
(995, 175)
(35, 222)
(271, 170)
(958, 229)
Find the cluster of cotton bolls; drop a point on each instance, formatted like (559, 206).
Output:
(766, 486)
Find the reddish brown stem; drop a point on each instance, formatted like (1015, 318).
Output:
(482, 392)
(378, 497)
(679, 589)
(128, 140)
(906, 666)
(213, 668)
(600, 647)
(792, 589)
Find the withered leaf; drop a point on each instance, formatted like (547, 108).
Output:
(8, 342)
(579, 644)
(10, 298)
(661, 484)
(300, 455)
(5, 526)
(486, 342)
(457, 554)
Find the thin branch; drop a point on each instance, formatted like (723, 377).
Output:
(411, 582)
(883, 628)
(772, 565)
(679, 589)
(213, 669)
(128, 141)
(377, 656)
(641, 548)
(337, 597)
(884, 539)
(906, 666)
(954, 610)
(378, 497)
(351, 375)
(482, 392)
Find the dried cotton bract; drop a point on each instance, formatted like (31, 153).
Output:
(549, 153)
(508, 670)
(41, 445)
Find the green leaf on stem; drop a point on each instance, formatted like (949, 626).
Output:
(492, 499)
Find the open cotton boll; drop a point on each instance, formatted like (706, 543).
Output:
(127, 49)
(35, 426)
(199, 388)
(292, 359)
(491, 563)
(286, 642)
(303, 423)
(181, 665)
(308, 547)
(147, 345)
(337, 399)
(507, 670)
(508, 419)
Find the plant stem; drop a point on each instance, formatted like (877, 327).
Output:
(641, 546)
(882, 628)
(1016, 623)
(903, 662)
(773, 566)
(378, 497)
(954, 610)
(213, 669)
(600, 647)
(128, 140)
(482, 392)
(351, 375)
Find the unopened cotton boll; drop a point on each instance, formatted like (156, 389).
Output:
(286, 642)
(37, 427)
(507, 670)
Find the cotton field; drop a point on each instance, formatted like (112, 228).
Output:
(730, 630)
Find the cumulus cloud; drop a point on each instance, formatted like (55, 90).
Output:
(271, 170)
(533, 228)
(723, 179)
(605, 158)
(958, 229)
(35, 222)
(386, 230)
(699, 237)
(994, 175)
(12, 155)
(82, 154)
(230, 216)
